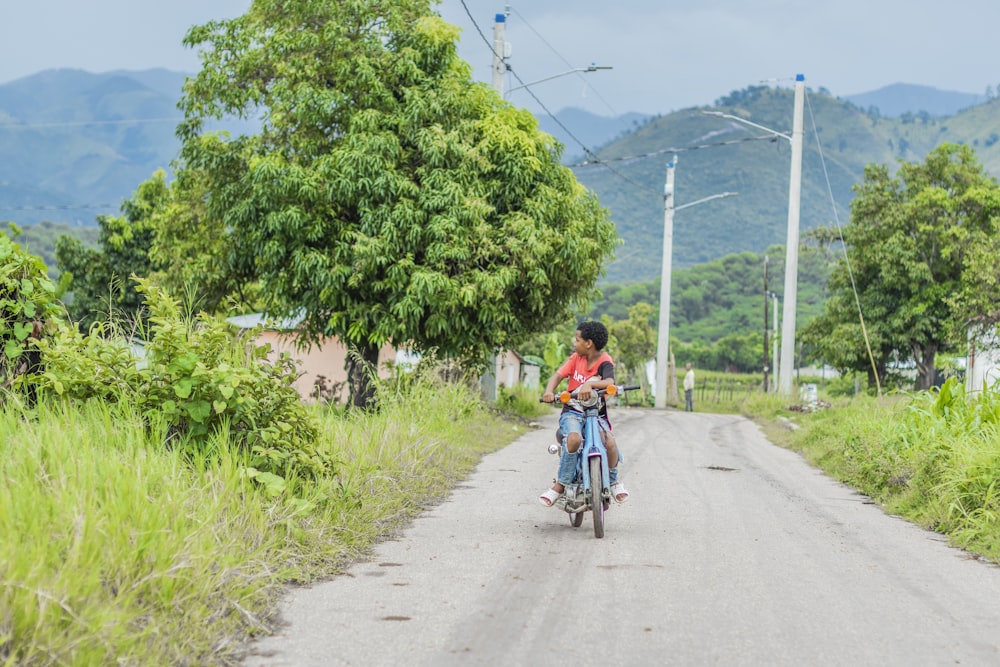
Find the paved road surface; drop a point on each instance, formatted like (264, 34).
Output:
(731, 551)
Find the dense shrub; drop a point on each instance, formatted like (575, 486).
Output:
(199, 376)
(28, 308)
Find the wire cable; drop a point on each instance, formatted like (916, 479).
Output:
(558, 122)
(66, 207)
(82, 123)
(684, 149)
(847, 259)
(565, 62)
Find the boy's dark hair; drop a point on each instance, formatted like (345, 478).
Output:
(595, 332)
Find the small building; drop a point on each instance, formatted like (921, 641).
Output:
(321, 366)
(982, 367)
(513, 370)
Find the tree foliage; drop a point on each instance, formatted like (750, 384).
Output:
(908, 245)
(634, 343)
(98, 278)
(28, 308)
(387, 196)
(191, 253)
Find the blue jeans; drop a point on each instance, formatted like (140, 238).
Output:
(571, 421)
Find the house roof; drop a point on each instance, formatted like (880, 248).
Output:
(254, 320)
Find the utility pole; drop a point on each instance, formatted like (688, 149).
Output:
(499, 52)
(488, 380)
(767, 361)
(787, 362)
(774, 342)
(663, 331)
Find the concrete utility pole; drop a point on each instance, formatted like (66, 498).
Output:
(488, 380)
(787, 363)
(767, 361)
(499, 52)
(663, 331)
(774, 357)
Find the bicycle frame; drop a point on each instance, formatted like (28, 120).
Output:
(593, 445)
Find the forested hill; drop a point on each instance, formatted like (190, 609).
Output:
(74, 145)
(716, 155)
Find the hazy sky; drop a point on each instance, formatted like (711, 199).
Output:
(666, 54)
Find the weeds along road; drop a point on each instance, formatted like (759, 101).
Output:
(731, 551)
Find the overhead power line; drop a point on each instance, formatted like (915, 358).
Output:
(67, 207)
(83, 123)
(565, 61)
(684, 149)
(586, 149)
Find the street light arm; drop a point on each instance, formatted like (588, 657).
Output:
(591, 68)
(747, 122)
(705, 199)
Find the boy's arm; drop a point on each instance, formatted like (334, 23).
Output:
(550, 387)
(606, 380)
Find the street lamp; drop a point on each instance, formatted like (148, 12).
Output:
(792, 243)
(488, 381)
(663, 331)
(591, 68)
(501, 53)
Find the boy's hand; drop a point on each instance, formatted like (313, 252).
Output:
(548, 397)
(584, 391)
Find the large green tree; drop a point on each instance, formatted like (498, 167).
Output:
(634, 343)
(908, 245)
(99, 277)
(387, 197)
(191, 251)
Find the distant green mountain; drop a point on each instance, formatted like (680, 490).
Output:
(716, 155)
(575, 126)
(71, 139)
(75, 144)
(904, 98)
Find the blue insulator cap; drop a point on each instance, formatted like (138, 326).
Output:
(670, 164)
(800, 77)
(501, 18)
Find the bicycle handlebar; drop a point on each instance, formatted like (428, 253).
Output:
(610, 390)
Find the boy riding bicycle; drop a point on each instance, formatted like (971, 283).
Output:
(587, 369)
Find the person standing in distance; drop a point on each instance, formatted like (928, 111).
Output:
(689, 389)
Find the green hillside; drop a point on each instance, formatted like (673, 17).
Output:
(725, 296)
(76, 144)
(631, 182)
(70, 138)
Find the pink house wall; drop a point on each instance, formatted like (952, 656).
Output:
(326, 359)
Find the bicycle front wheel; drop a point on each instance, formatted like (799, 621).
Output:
(597, 495)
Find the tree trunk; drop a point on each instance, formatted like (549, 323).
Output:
(362, 369)
(924, 357)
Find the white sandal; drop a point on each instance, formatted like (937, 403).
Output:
(549, 497)
(619, 492)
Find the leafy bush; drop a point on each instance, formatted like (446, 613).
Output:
(200, 378)
(522, 401)
(27, 308)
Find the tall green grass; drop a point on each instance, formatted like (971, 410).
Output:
(117, 549)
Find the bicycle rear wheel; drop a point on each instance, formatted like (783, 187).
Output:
(597, 495)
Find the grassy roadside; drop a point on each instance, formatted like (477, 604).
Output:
(119, 550)
(931, 458)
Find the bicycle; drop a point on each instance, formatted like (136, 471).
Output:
(590, 490)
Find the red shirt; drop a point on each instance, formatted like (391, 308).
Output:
(579, 371)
